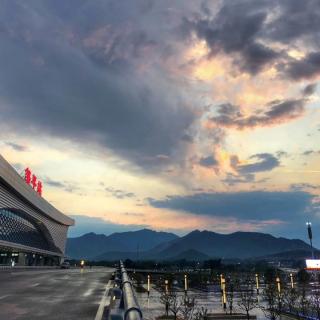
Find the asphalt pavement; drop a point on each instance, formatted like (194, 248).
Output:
(52, 294)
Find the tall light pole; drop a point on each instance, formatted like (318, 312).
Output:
(148, 285)
(224, 295)
(291, 280)
(185, 284)
(310, 237)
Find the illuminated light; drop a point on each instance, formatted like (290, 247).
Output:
(291, 280)
(257, 282)
(166, 282)
(31, 179)
(313, 264)
(34, 181)
(185, 283)
(278, 285)
(27, 175)
(224, 294)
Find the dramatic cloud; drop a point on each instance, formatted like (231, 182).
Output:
(156, 94)
(276, 112)
(256, 205)
(266, 162)
(234, 30)
(306, 68)
(246, 173)
(86, 80)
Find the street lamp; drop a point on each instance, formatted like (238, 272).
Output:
(310, 237)
(291, 280)
(148, 285)
(278, 285)
(185, 284)
(224, 295)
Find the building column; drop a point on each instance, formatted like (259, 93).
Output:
(21, 259)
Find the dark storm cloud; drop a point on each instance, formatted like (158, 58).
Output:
(73, 71)
(255, 205)
(247, 29)
(294, 20)
(234, 30)
(306, 68)
(275, 112)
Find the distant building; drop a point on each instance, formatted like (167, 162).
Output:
(32, 231)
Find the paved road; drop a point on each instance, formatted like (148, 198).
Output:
(52, 294)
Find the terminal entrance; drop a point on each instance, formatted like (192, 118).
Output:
(13, 258)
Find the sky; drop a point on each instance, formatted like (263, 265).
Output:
(168, 115)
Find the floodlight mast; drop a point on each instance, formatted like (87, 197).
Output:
(310, 237)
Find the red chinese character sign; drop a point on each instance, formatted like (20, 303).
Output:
(32, 180)
(39, 188)
(27, 175)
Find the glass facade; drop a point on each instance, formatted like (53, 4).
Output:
(20, 228)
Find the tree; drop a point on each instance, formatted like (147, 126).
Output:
(230, 295)
(273, 302)
(175, 304)
(200, 314)
(187, 308)
(303, 301)
(165, 299)
(247, 298)
(290, 298)
(315, 303)
(303, 277)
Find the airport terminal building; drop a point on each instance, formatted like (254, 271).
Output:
(32, 231)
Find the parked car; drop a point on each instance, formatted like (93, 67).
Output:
(65, 265)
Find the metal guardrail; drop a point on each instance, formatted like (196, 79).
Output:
(131, 305)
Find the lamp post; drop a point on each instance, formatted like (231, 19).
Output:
(310, 237)
(185, 284)
(257, 283)
(148, 285)
(291, 280)
(278, 285)
(166, 282)
(224, 295)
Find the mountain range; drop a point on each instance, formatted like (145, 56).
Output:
(197, 245)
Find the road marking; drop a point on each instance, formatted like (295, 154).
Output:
(34, 285)
(103, 301)
(3, 297)
(88, 293)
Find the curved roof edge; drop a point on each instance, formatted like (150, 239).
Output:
(12, 178)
